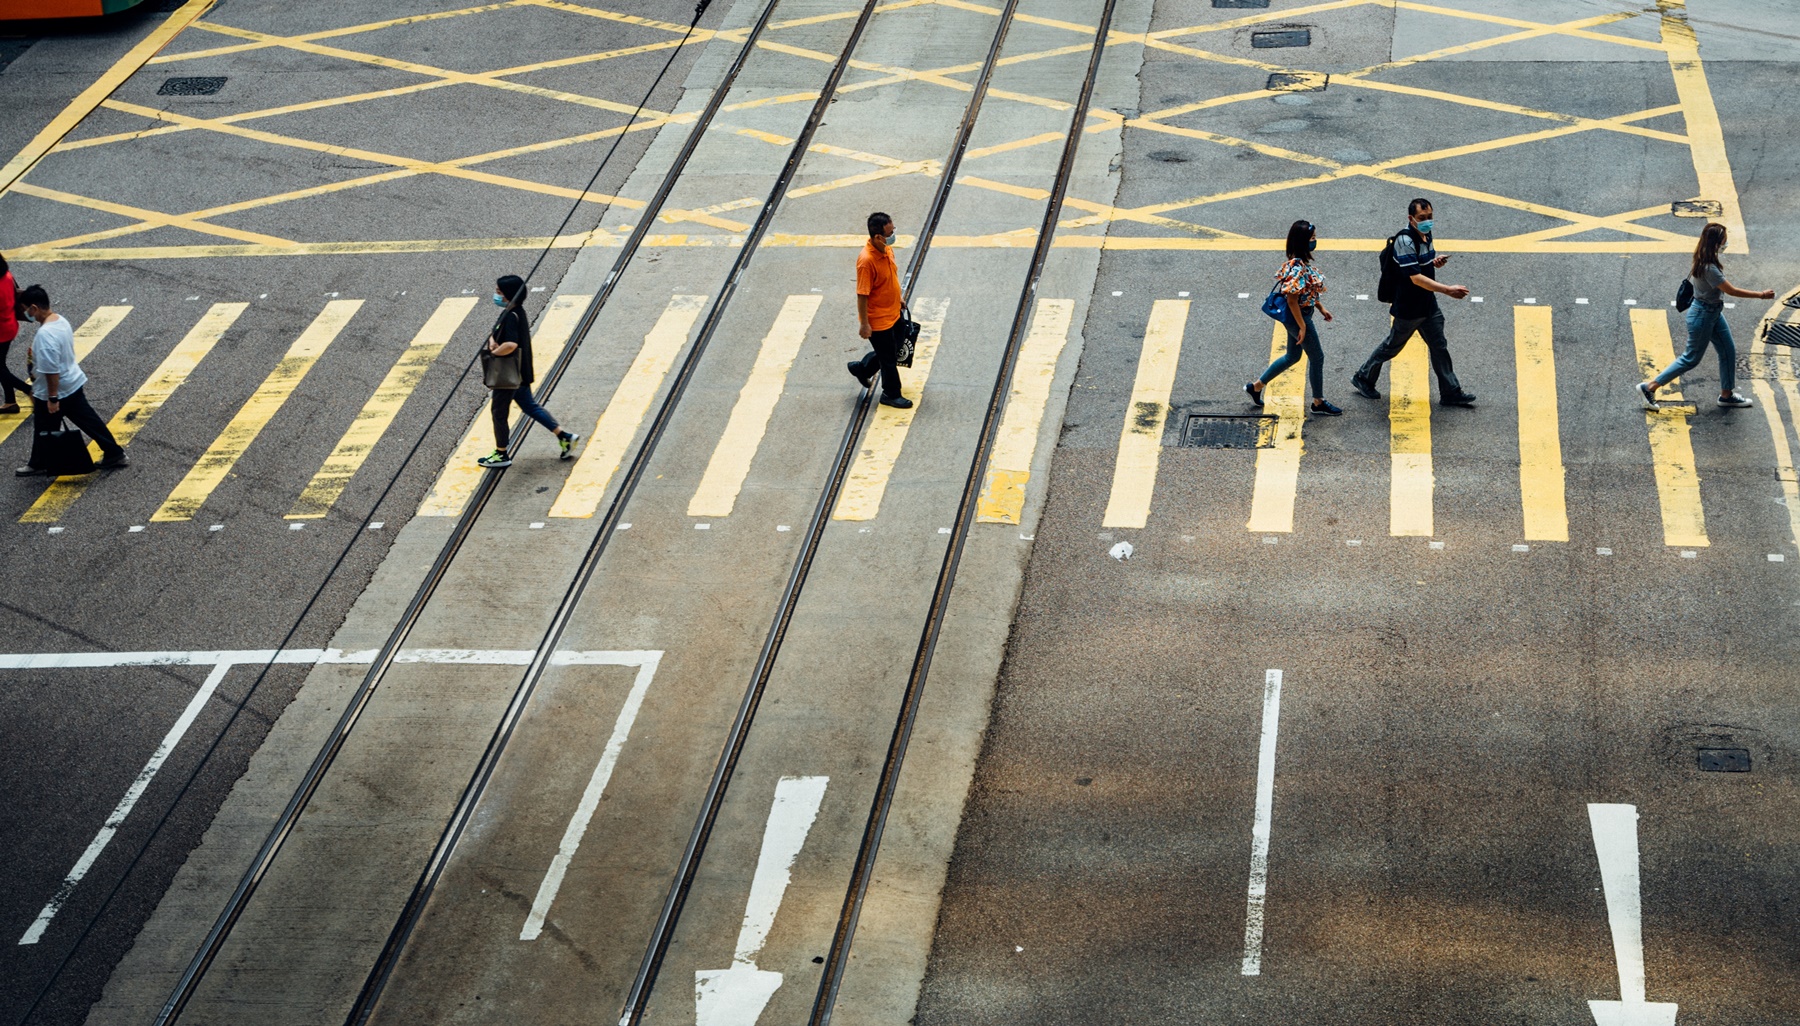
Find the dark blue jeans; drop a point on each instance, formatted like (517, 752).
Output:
(1706, 326)
(1315, 356)
(501, 407)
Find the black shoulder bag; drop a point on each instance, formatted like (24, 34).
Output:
(909, 338)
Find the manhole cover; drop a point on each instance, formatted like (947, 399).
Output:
(1285, 37)
(1697, 208)
(1298, 82)
(196, 85)
(1781, 333)
(1240, 3)
(1206, 431)
(1724, 760)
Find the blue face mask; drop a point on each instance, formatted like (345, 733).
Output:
(888, 238)
(1312, 244)
(1425, 226)
(499, 300)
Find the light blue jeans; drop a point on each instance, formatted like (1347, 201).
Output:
(1706, 326)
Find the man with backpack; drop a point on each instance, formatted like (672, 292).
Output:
(1409, 283)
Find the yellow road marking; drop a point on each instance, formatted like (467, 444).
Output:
(351, 30)
(1541, 483)
(209, 471)
(83, 105)
(1278, 467)
(1140, 440)
(1002, 498)
(618, 425)
(886, 433)
(730, 462)
(378, 413)
(1706, 139)
(1539, 28)
(137, 411)
(99, 324)
(1778, 432)
(1677, 478)
(1409, 438)
(460, 476)
(149, 218)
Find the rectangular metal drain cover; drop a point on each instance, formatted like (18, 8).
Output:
(1206, 431)
(1240, 3)
(1285, 37)
(195, 85)
(1781, 333)
(1724, 760)
(1298, 82)
(1697, 208)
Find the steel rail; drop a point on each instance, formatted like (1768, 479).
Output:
(663, 933)
(862, 872)
(376, 982)
(384, 659)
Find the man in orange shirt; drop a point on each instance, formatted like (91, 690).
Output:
(878, 310)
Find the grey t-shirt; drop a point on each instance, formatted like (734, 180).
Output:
(1706, 285)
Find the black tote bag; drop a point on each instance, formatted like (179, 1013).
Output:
(61, 452)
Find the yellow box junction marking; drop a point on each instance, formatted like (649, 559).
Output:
(99, 324)
(886, 434)
(618, 425)
(212, 467)
(137, 411)
(1409, 438)
(461, 474)
(1140, 441)
(378, 413)
(1002, 499)
(1541, 484)
(1278, 466)
(1706, 138)
(730, 462)
(1677, 478)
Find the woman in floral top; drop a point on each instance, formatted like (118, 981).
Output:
(1304, 287)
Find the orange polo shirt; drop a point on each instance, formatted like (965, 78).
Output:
(878, 277)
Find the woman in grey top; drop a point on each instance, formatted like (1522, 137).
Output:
(1706, 322)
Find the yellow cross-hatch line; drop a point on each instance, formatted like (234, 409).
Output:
(1541, 482)
(1278, 466)
(1778, 430)
(461, 474)
(1409, 437)
(137, 411)
(1140, 440)
(378, 413)
(887, 430)
(730, 463)
(582, 493)
(99, 324)
(1671, 450)
(1706, 138)
(1002, 499)
(212, 467)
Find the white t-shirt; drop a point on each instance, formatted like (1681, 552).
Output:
(53, 352)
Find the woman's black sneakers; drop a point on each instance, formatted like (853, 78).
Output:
(1254, 393)
(1324, 408)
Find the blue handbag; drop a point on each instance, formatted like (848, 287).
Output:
(1276, 305)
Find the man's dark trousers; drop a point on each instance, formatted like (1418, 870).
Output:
(78, 411)
(1431, 329)
(887, 346)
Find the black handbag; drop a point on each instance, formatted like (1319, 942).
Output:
(502, 373)
(62, 452)
(1684, 295)
(909, 339)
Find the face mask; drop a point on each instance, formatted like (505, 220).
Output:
(30, 318)
(1312, 244)
(888, 238)
(499, 300)
(1425, 226)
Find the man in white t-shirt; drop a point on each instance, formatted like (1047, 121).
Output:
(57, 392)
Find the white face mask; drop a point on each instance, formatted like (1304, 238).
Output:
(888, 238)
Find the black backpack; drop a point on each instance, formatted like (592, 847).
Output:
(1388, 286)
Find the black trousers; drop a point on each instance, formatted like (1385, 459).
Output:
(887, 346)
(1431, 329)
(77, 410)
(10, 382)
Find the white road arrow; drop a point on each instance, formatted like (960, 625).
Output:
(737, 996)
(1616, 843)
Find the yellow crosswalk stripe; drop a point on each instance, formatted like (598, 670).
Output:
(378, 413)
(1409, 439)
(1140, 441)
(460, 476)
(1541, 481)
(210, 470)
(618, 425)
(886, 433)
(168, 376)
(730, 462)
(1278, 466)
(1677, 479)
(1002, 498)
(1778, 431)
(99, 324)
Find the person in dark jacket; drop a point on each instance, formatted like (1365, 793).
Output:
(513, 334)
(1415, 310)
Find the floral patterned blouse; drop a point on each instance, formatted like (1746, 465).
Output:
(1300, 280)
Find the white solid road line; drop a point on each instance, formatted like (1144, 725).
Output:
(738, 995)
(590, 800)
(1616, 844)
(1259, 832)
(222, 660)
